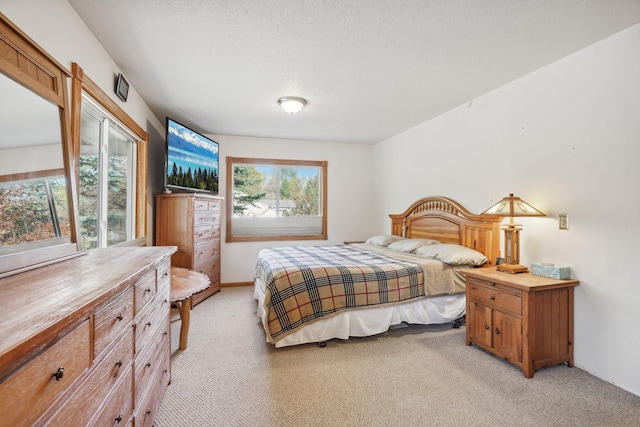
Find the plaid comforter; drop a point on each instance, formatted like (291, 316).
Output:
(305, 283)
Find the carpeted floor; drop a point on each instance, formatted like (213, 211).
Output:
(412, 376)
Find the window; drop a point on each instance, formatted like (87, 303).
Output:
(112, 168)
(107, 179)
(276, 200)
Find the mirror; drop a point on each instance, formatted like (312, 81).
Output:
(33, 190)
(37, 203)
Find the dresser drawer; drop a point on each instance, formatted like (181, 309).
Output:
(149, 360)
(87, 399)
(145, 289)
(163, 274)
(119, 407)
(205, 250)
(146, 411)
(31, 390)
(151, 322)
(208, 266)
(111, 320)
(496, 298)
(206, 218)
(206, 205)
(205, 232)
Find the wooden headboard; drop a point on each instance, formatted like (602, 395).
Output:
(447, 221)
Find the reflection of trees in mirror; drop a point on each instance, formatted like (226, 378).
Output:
(256, 193)
(33, 210)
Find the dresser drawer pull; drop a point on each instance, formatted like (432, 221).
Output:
(148, 324)
(486, 326)
(147, 291)
(492, 283)
(497, 331)
(118, 365)
(166, 273)
(148, 412)
(119, 317)
(148, 365)
(117, 420)
(492, 298)
(59, 374)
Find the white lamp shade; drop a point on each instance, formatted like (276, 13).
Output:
(292, 104)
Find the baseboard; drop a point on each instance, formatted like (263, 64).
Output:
(235, 284)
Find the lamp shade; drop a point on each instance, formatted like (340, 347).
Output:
(292, 104)
(512, 206)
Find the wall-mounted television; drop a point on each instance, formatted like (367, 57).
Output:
(192, 160)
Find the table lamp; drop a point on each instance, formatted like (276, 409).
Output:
(512, 206)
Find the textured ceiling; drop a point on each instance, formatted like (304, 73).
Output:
(369, 69)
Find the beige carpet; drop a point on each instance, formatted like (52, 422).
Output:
(413, 376)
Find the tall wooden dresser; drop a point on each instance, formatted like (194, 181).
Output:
(191, 221)
(86, 341)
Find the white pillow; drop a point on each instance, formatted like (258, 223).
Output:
(410, 245)
(453, 254)
(384, 239)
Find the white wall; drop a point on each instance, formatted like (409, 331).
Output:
(565, 138)
(350, 194)
(57, 28)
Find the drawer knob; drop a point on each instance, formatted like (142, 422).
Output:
(486, 326)
(492, 298)
(492, 283)
(497, 331)
(59, 374)
(148, 324)
(117, 420)
(119, 317)
(147, 291)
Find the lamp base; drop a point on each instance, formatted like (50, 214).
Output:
(512, 268)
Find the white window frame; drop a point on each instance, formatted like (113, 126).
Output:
(108, 121)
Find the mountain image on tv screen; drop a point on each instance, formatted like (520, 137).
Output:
(192, 159)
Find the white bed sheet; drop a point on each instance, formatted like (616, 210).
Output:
(371, 320)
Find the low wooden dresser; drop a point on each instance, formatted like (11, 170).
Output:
(192, 223)
(525, 319)
(86, 341)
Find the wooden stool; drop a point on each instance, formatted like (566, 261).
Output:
(185, 283)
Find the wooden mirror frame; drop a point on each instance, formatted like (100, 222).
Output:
(24, 61)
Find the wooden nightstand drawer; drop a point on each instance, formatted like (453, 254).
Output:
(496, 298)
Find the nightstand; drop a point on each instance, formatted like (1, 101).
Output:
(525, 319)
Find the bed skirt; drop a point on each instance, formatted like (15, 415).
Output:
(370, 321)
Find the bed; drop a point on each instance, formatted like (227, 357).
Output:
(413, 275)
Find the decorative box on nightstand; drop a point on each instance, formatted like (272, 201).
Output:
(525, 319)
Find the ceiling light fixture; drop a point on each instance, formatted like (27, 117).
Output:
(292, 104)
